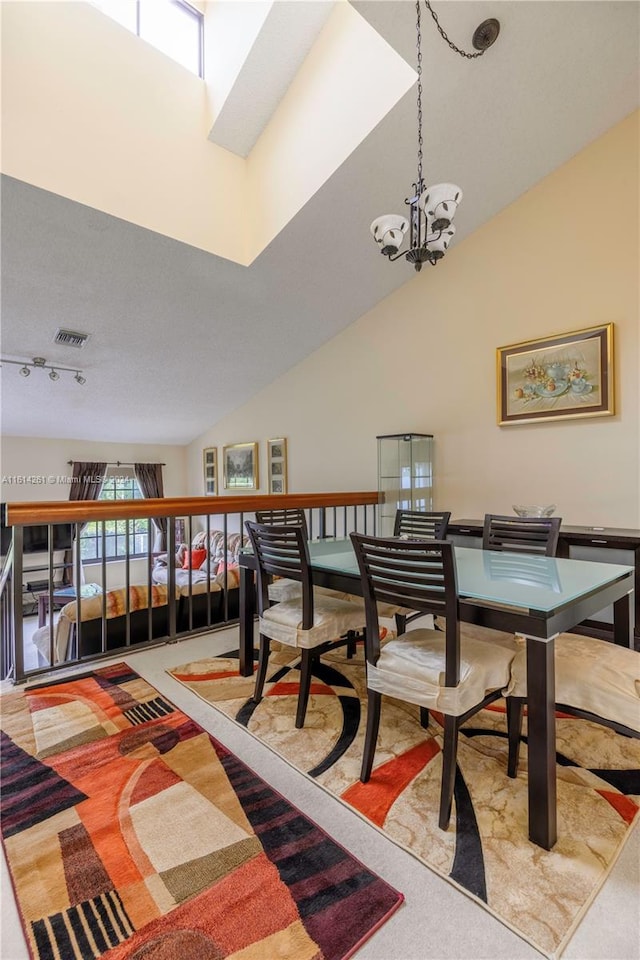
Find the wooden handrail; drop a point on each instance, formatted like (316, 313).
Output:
(84, 511)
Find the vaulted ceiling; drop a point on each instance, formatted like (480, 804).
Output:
(180, 337)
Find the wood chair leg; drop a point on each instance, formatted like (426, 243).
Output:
(449, 754)
(351, 644)
(305, 686)
(515, 709)
(401, 624)
(374, 700)
(424, 717)
(263, 660)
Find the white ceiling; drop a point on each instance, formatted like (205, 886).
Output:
(180, 337)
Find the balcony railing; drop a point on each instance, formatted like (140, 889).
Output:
(137, 602)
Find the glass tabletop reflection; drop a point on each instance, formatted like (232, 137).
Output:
(521, 580)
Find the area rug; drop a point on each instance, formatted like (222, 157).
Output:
(132, 833)
(539, 894)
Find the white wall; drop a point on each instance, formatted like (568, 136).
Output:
(45, 462)
(424, 359)
(42, 465)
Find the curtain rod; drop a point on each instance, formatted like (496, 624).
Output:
(115, 463)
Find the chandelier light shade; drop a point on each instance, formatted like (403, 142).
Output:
(428, 226)
(41, 364)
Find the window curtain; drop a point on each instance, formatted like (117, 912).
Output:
(149, 477)
(86, 485)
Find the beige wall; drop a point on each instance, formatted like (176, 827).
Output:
(30, 457)
(562, 257)
(93, 113)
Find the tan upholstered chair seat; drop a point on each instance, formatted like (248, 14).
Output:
(332, 618)
(284, 589)
(591, 675)
(412, 668)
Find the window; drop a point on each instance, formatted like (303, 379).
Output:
(172, 26)
(116, 487)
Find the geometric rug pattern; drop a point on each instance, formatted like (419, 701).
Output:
(539, 894)
(130, 832)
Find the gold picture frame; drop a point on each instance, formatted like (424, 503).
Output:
(277, 450)
(562, 377)
(240, 463)
(210, 471)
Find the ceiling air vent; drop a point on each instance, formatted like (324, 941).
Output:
(71, 338)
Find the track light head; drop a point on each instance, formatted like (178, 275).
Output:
(25, 371)
(79, 378)
(54, 375)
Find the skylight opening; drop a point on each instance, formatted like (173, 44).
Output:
(171, 26)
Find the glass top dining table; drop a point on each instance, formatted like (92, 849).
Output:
(537, 597)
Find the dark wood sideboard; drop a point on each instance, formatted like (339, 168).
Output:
(604, 544)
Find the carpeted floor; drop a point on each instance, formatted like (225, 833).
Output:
(541, 895)
(132, 833)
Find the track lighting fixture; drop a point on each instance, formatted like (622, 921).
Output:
(41, 363)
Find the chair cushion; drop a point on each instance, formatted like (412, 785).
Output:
(412, 668)
(591, 675)
(331, 619)
(284, 589)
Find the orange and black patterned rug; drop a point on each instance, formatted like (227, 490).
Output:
(130, 832)
(539, 894)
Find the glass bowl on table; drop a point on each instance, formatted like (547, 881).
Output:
(534, 510)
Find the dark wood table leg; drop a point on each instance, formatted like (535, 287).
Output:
(623, 620)
(541, 738)
(247, 615)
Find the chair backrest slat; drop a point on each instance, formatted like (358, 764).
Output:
(537, 535)
(284, 516)
(282, 551)
(421, 525)
(418, 574)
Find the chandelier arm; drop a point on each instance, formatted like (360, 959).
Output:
(400, 253)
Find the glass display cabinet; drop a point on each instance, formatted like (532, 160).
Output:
(405, 476)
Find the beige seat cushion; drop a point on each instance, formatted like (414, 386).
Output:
(412, 668)
(591, 675)
(284, 589)
(332, 618)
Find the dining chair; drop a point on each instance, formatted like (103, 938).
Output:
(423, 525)
(537, 535)
(595, 680)
(284, 588)
(312, 623)
(437, 670)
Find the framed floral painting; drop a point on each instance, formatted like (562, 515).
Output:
(565, 376)
(277, 465)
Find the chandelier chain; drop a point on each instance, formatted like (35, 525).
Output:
(419, 71)
(463, 53)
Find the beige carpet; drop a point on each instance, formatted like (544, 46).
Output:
(540, 895)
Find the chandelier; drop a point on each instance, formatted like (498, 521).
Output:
(39, 363)
(431, 209)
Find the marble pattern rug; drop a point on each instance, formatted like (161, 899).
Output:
(539, 894)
